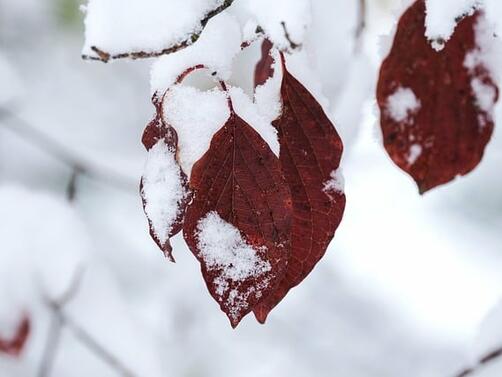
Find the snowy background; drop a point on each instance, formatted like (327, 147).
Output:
(404, 289)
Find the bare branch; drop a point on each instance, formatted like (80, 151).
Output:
(292, 44)
(487, 359)
(57, 323)
(86, 339)
(361, 25)
(64, 154)
(105, 57)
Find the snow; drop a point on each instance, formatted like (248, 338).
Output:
(295, 14)
(163, 190)
(196, 116)
(414, 153)
(336, 183)
(227, 255)
(402, 104)
(485, 95)
(142, 25)
(249, 111)
(268, 96)
(442, 17)
(216, 48)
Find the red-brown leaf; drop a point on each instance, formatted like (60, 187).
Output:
(265, 67)
(15, 345)
(157, 130)
(310, 157)
(445, 136)
(239, 179)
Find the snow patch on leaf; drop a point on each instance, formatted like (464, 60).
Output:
(414, 153)
(336, 183)
(162, 190)
(442, 17)
(249, 111)
(232, 260)
(267, 96)
(402, 103)
(486, 95)
(196, 116)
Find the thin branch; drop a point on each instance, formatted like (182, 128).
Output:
(71, 188)
(487, 359)
(292, 44)
(53, 342)
(105, 57)
(64, 154)
(86, 339)
(361, 25)
(52, 345)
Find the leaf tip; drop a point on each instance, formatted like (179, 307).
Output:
(261, 314)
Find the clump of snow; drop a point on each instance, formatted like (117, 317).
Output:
(268, 96)
(442, 17)
(249, 111)
(486, 56)
(222, 247)
(163, 190)
(215, 49)
(336, 183)
(485, 95)
(414, 153)
(197, 116)
(142, 25)
(227, 254)
(270, 15)
(402, 103)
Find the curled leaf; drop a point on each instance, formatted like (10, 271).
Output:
(310, 157)
(436, 106)
(238, 224)
(14, 346)
(164, 185)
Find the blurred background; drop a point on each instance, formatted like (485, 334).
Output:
(402, 291)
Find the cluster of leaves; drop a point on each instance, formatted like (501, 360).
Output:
(435, 123)
(280, 205)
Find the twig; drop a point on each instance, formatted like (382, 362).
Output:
(86, 339)
(105, 57)
(56, 327)
(292, 44)
(60, 321)
(361, 25)
(52, 345)
(64, 154)
(487, 359)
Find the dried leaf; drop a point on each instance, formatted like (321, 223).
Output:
(238, 225)
(15, 345)
(310, 157)
(164, 191)
(435, 106)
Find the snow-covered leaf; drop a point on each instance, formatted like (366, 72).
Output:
(436, 107)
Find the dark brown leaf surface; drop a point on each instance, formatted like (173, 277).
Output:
(310, 157)
(15, 345)
(265, 67)
(445, 136)
(239, 179)
(156, 131)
